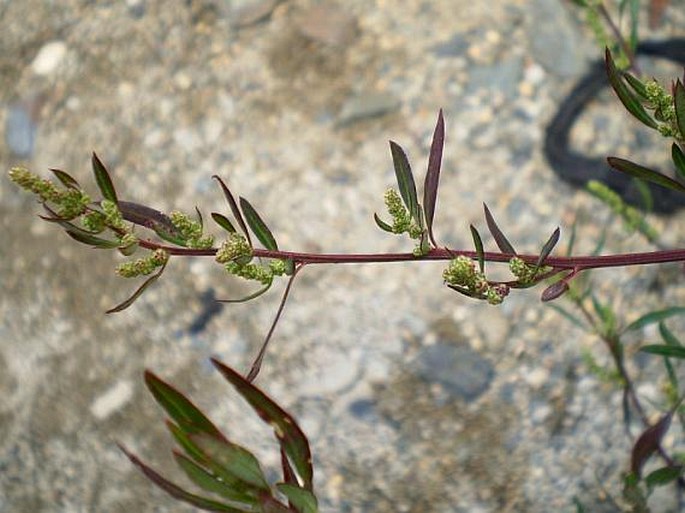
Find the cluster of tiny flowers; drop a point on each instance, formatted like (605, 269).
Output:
(71, 202)
(664, 109)
(94, 221)
(462, 272)
(143, 266)
(401, 220)
(236, 247)
(113, 217)
(191, 231)
(523, 271)
(250, 271)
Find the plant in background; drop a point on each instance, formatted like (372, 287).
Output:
(230, 472)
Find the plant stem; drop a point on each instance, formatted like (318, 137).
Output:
(579, 262)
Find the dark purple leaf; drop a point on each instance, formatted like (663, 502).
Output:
(139, 291)
(290, 436)
(555, 290)
(271, 505)
(103, 179)
(644, 173)
(547, 248)
(405, 181)
(648, 443)
(257, 225)
(631, 103)
(188, 416)
(152, 219)
(176, 491)
(430, 186)
(502, 243)
(234, 208)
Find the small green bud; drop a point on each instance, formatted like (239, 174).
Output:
(72, 203)
(277, 267)
(94, 222)
(45, 189)
(191, 231)
(143, 266)
(113, 217)
(250, 271)
(460, 272)
(128, 244)
(400, 216)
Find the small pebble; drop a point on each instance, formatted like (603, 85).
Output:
(112, 400)
(20, 131)
(49, 58)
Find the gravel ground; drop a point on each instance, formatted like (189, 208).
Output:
(414, 399)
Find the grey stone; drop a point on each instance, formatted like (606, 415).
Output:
(453, 47)
(253, 12)
(502, 76)
(461, 371)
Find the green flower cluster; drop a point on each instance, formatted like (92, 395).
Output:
(113, 217)
(94, 221)
(664, 109)
(525, 273)
(462, 273)
(633, 218)
(143, 266)
(70, 203)
(257, 272)
(401, 220)
(191, 231)
(236, 248)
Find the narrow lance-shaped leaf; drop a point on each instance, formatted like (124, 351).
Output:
(139, 292)
(200, 220)
(258, 226)
(679, 103)
(648, 443)
(234, 459)
(84, 237)
(179, 407)
(663, 476)
(502, 243)
(678, 158)
(554, 291)
(664, 350)
(637, 85)
(249, 297)
(547, 248)
(382, 224)
(234, 208)
(223, 221)
(405, 180)
(176, 491)
(211, 483)
(638, 171)
(152, 219)
(631, 103)
(290, 436)
(103, 179)
(66, 179)
(478, 243)
(430, 186)
(654, 317)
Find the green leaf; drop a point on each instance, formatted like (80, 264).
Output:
(502, 243)
(66, 179)
(636, 85)
(663, 476)
(547, 248)
(405, 181)
(139, 292)
(631, 103)
(430, 186)
(678, 158)
(85, 237)
(654, 317)
(258, 226)
(234, 208)
(249, 297)
(664, 350)
(290, 436)
(212, 483)
(103, 179)
(234, 459)
(679, 103)
(223, 221)
(382, 224)
(668, 336)
(478, 243)
(638, 171)
(188, 416)
(303, 500)
(176, 491)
